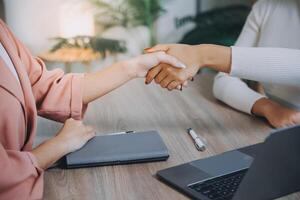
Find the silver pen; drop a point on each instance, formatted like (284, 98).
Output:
(120, 133)
(199, 143)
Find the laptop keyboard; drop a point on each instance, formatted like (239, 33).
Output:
(220, 188)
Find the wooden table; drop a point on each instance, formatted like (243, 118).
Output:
(68, 56)
(136, 106)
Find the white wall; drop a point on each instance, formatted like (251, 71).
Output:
(175, 9)
(35, 21)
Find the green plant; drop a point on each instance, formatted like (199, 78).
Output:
(145, 12)
(129, 13)
(109, 15)
(98, 44)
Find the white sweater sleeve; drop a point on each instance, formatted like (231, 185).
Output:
(232, 90)
(269, 65)
(235, 92)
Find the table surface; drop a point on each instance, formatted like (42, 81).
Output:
(136, 106)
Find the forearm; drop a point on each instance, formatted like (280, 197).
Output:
(102, 82)
(49, 152)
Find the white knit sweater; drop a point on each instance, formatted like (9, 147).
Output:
(274, 27)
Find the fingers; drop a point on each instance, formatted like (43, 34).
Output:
(180, 86)
(69, 120)
(171, 60)
(174, 85)
(159, 47)
(72, 122)
(166, 81)
(152, 74)
(161, 76)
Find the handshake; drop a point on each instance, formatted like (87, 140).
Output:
(177, 64)
(173, 65)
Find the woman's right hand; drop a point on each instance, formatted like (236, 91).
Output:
(140, 65)
(194, 57)
(74, 135)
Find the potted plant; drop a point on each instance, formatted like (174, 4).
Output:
(128, 20)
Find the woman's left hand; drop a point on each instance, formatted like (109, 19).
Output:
(140, 65)
(277, 115)
(280, 116)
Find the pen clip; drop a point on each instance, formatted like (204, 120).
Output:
(129, 132)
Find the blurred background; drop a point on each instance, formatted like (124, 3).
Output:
(84, 35)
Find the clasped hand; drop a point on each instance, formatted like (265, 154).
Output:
(168, 76)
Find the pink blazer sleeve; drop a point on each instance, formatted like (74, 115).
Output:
(58, 96)
(20, 175)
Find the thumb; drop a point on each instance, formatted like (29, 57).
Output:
(162, 57)
(159, 47)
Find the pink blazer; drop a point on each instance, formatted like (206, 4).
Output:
(50, 94)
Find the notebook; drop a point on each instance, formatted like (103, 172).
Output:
(115, 149)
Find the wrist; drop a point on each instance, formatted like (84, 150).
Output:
(61, 144)
(262, 107)
(129, 68)
(202, 56)
(206, 56)
(49, 152)
(215, 57)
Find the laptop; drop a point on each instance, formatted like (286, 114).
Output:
(262, 171)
